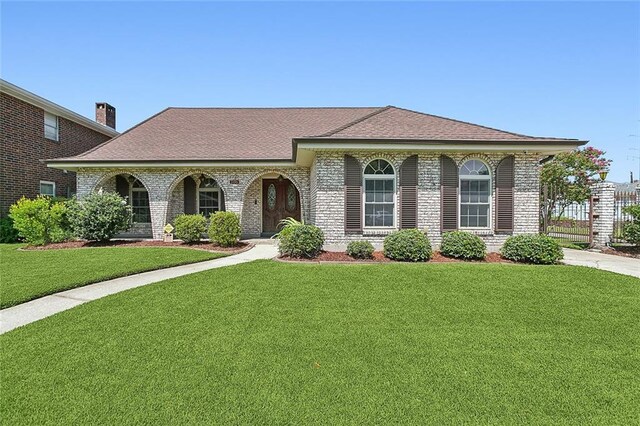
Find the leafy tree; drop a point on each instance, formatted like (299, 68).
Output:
(568, 178)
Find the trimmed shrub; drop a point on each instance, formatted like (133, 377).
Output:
(360, 249)
(224, 228)
(532, 248)
(463, 245)
(190, 227)
(99, 216)
(40, 221)
(631, 230)
(300, 240)
(408, 245)
(8, 234)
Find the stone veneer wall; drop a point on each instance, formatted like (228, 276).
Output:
(329, 194)
(243, 196)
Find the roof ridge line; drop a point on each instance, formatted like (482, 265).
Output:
(353, 123)
(276, 107)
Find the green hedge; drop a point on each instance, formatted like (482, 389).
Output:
(631, 230)
(463, 245)
(224, 228)
(408, 245)
(8, 234)
(360, 249)
(190, 227)
(99, 216)
(299, 240)
(532, 248)
(40, 221)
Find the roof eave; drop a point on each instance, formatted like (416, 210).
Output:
(47, 105)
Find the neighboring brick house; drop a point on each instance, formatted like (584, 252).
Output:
(357, 173)
(33, 129)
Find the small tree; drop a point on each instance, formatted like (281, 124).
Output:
(569, 175)
(99, 216)
(39, 221)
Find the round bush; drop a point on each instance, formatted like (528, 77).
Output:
(99, 216)
(360, 249)
(224, 228)
(41, 220)
(300, 241)
(532, 248)
(190, 227)
(408, 245)
(463, 245)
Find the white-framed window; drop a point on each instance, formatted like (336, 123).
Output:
(475, 195)
(50, 126)
(208, 197)
(47, 188)
(139, 202)
(379, 194)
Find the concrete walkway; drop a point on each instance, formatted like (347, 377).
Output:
(43, 307)
(606, 262)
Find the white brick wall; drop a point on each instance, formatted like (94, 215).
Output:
(330, 194)
(166, 191)
(322, 193)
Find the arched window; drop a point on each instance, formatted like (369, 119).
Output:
(475, 195)
(208, 197)
(379, 194)
(139, 202)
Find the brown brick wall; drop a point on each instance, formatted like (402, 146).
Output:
(23, 145)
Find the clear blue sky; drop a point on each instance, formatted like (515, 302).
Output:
(553, 69)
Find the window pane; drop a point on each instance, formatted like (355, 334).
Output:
(47, 189)
(50, 120)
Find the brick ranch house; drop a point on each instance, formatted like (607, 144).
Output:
(32, 129)
(357, 173)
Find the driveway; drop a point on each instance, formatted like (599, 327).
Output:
(606, 262)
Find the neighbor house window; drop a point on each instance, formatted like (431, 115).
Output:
(140, 202)
(379, 194)
(208, 197)
(475, 195)
(50, 126)
(47, 188)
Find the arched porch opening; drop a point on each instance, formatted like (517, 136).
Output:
(195, 193)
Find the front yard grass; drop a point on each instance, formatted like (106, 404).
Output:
(27, 275)
(277, 343)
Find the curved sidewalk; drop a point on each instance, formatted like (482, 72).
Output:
(34, 310)
(606, 262)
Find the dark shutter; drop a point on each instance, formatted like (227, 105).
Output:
(448, 194)
(504, 194)
(352, 195)
(409, 193)
(122, 187)
(223, 207)
(190, 196)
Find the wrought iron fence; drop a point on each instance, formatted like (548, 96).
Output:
(567, 221)
(620, 218)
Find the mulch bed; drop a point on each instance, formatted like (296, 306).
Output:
(626, 251)
(203, 245)
(378, 257)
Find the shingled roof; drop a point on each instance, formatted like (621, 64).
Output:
(218, 134)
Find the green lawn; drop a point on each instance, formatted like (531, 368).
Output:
(275, 343)
(26, 275)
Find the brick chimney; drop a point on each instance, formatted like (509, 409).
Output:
(106, 114)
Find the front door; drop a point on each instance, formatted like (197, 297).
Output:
(280, 200)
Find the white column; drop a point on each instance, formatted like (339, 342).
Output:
(603, 213)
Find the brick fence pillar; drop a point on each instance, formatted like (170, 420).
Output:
(603, 213)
